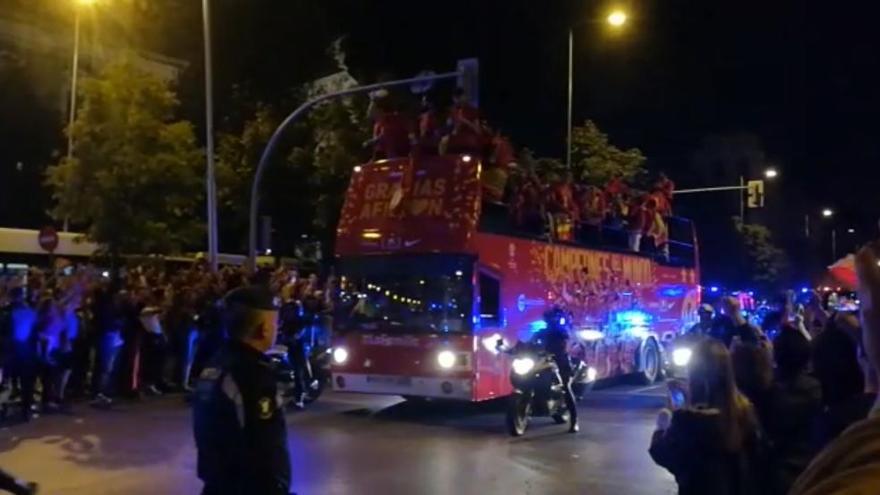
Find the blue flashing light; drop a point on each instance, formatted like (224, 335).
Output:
(537, 325)
(562, 321)
(672, 291)
(804, 290)
(751, 293)
(632, 318)
(714, 288)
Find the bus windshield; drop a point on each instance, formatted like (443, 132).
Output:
(406, 294)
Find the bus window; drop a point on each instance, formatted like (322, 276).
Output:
(490, 300)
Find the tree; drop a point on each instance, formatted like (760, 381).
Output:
(306, 182)
(761, 261)
(595, 160)
(238, 152)
(541, 166)
(332, 137)
(135, 180)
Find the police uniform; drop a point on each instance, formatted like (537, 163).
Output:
(239, 427)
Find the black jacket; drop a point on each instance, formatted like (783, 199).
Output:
(837, 417)
(240, 431)
(792, 407)
(692, 449)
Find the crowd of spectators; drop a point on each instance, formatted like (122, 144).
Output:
(786, 408)
(149, 331)
(577, 211)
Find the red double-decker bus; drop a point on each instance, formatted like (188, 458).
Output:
(433, 278)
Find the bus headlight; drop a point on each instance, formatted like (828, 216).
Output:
(681, 356)
(446, 359)
(522, 366)
(340, 355)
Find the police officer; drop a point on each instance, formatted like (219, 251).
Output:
(239, 427)
(555, 340)
(707, 319)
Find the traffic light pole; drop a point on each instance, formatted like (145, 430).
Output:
(741, 187)
(273, 142)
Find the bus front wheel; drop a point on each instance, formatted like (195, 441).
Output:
(650, 362)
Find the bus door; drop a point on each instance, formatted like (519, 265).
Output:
(491, 370)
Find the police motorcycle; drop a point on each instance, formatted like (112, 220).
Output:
(538, 388)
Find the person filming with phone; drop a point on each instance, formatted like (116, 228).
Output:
(710, 442)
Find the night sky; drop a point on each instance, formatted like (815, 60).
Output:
(794, 83)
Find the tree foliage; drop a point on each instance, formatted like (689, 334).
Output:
(305, 182)
(543, 166)
(135, 181)
(762, 262)
(239, 148)
(595, 160)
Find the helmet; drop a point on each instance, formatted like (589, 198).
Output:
(557, 317)
(706, 309)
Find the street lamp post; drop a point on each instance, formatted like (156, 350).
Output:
(615, 19)
(827, 213)
(210, 185)
(74, 72)
(570, 97)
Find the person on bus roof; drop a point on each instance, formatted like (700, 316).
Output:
(616, 186)
(467, 131)
(393, 132)
(432, 126)
(665, 185)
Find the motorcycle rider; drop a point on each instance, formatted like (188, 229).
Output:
(291, 328)
(554, 337)
(707, 319)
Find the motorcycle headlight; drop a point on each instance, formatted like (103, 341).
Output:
(340, 355)
(681, 356)
(446, 359)
(592, 373)
(522, 366)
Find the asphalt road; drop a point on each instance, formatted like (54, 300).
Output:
(349, 444)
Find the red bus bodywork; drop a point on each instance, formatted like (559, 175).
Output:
(622, 303)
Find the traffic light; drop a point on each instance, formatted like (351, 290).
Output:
(469, 79)
(756, 194)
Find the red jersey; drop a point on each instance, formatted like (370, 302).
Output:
(392, 132)
(465, 118)
(667, 187)
(615, 187)
(503, 152)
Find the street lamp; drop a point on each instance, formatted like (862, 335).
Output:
(210, 184)
(74, 71)
(771, 173)
(827, 213)
(616, 19)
